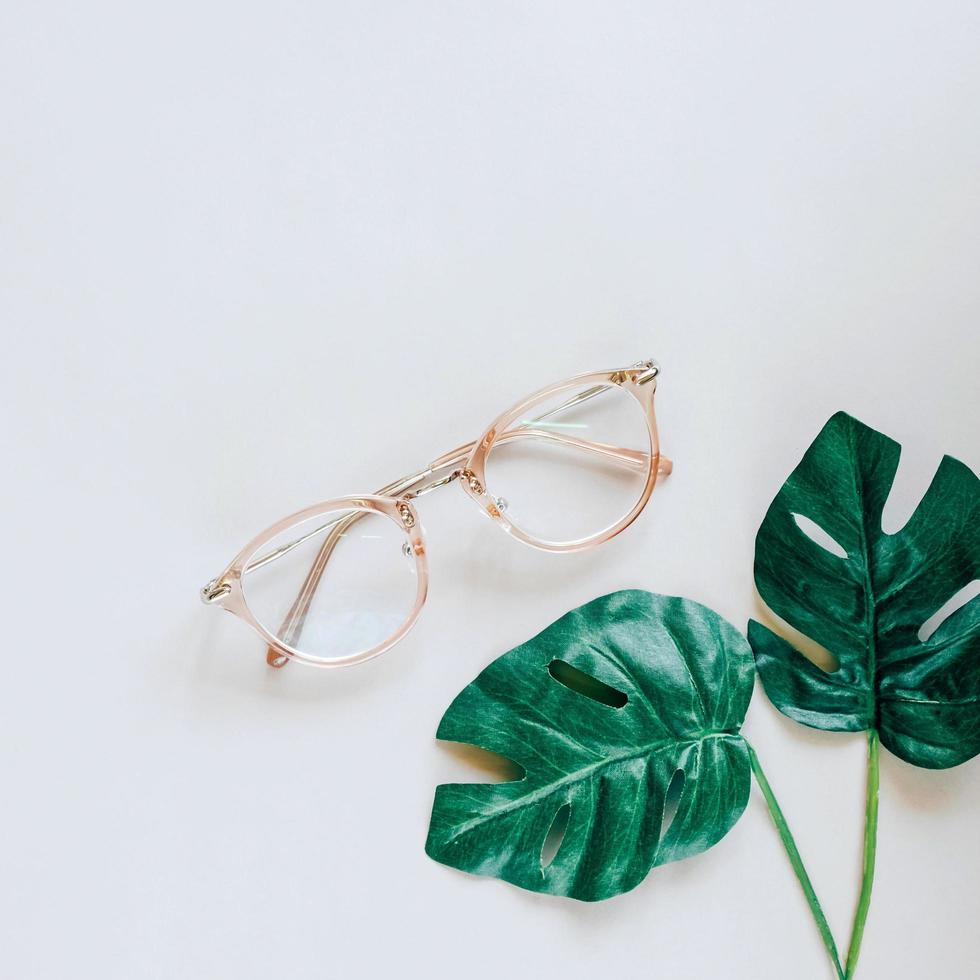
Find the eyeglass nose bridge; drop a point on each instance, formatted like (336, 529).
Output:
(433, 485)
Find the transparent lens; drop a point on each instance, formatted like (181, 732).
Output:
(333, 586)
(574, 465)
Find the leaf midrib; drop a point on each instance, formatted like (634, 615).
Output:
(870, 597)
(580, 774)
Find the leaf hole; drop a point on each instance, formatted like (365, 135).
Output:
(815, 652)
(555, 835)
(490, 767)
(959, 599)
(916, 469)
(585, 684)
(672, 801)
(819, 536)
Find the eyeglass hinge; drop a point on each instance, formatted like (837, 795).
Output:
(648, 371)
(214, 591)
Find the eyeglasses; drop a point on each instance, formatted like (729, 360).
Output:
(342, 581)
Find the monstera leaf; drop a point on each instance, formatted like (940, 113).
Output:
(867, 599)
(618, 701)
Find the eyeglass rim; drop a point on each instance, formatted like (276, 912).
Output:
(476, 464)
(394, 508)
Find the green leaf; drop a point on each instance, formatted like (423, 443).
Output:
(601, 710)
(867, 608)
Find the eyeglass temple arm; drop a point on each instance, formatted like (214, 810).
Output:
(408, 486)
(455, 456)
(633, 458)
(629, 457)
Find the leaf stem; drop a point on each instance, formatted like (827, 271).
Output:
(870, 850)
(796, 861)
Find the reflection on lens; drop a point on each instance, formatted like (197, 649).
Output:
(335, 585)
(574, 465)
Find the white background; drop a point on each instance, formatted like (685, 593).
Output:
(257, 255)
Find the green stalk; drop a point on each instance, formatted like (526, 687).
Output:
(796, 861)
(870, 849)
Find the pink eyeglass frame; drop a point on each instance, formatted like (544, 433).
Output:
(466, 465)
